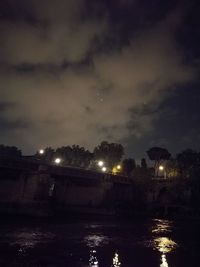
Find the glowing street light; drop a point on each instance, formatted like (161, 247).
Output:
(41, 151)
(118, 167)
(57, 161)
(104, 169)
(161, 168)
(100, 163)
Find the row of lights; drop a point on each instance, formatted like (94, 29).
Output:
(56, 160)
(104, 169)
(100, 163)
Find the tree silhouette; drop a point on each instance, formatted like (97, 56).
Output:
(75, 156)
(111, 153)
(158, 154)
(172, 168)
(10, 151)
(187, 161)
(128, 165)
(143, 163)
(49, 154)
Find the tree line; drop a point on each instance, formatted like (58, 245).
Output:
(186, 164)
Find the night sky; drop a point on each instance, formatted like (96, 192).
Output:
(80, 72)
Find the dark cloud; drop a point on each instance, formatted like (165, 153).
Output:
(7, 125)
(80, 72)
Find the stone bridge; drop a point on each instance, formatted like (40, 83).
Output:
(33, 186)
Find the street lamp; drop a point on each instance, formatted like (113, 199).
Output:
(57, 161)
(118, 167)
(41, 151)
(104, 169)
(100, 163)
(161, 168)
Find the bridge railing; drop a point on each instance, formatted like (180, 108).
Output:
(32, 164)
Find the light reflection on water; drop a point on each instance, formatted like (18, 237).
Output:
(159, 241)
(161, 226)
(163, 244)
(94, 240)
(163, 261)
(27, 239)
(93, 261)
(116, 262)
(97, 245)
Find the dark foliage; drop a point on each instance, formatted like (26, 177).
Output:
(143, 163)
(158, 154)
(111, 153)
(10, 151)
(128, 165)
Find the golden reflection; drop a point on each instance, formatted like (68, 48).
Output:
(29, 239)
(164, 244)
(161, 226)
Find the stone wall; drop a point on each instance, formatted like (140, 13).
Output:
(30, 190)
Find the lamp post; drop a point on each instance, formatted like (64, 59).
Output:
(57, 161)
(119, 167)
(100, 163)
(162, 170)
(116, 169)
(41, 151)
(104, 169)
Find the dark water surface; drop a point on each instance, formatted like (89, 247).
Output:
(152, 243)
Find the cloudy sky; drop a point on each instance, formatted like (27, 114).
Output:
(83, 71)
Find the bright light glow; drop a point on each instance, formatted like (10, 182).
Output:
(116, 262)
(161, 168)
(57, 160)
(164, 244)
(93, 262)
(100, 163)
(161, 227)
(104, 169)
(41, 151)
(119, 167)
(114, 170)
(164, 261)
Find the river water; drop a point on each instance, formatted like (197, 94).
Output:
(137, 243)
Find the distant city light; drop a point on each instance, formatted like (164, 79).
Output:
(100, 163)
(161, 168)
(104, 169)
(119, 167)
(41, 151)
(57, 161)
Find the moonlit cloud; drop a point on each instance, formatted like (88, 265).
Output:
(61, 84)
